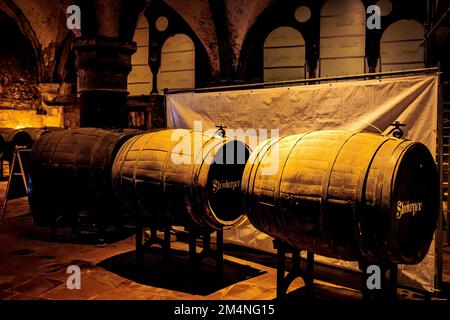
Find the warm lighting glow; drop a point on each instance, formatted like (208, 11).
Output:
(19, 119)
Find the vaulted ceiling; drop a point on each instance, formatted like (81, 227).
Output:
(213, 21)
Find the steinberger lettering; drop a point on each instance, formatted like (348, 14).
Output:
(406, 207)
(218, 185)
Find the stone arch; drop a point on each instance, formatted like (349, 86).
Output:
(279, 14)
(65, 60)
(342, 37)
(9, 8)
(140, 77)
(157, 10)
(19, 75)
(284, 55)
(400, 46)
(177, 63)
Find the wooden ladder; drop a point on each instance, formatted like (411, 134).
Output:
(17, 169)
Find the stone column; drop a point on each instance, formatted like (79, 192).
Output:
(103, 65)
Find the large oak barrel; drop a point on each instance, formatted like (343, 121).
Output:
(3, 145)
(36, 133)
(182, 178)
(345, 195)
(10, 139)
(71, 175)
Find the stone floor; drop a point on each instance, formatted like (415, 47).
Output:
(33, 267)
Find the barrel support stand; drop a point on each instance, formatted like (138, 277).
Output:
(195, 258)
(145, 241)
(388, 291)
(54, 227)
(307, 273)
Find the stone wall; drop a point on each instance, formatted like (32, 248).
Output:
(71, 117)
(28, 118)
(18, 69)
(34, 43)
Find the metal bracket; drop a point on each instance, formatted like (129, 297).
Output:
(144, 242)
(196, 258)
(307, 274)
(221, 130)
(397, 132)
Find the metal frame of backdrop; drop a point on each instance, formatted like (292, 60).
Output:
(365, 76)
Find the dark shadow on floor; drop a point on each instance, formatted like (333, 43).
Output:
(445, 290)
(323, 293)
(322, 272)
(327, 273)
(65, 235)
(175, 273)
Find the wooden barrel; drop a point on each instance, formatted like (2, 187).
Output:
(180, 177)
(345, 195)
(3, 146)
(12, 139)
(36, 133)
(71, 175)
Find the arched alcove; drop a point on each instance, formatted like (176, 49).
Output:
(177, 63)
(140, 77)
(19, 73)
(342, 38)
(400, 46)
(284, 55)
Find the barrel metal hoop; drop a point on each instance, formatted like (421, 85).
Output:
(163, 171)
(195, 173)
(209, 212)
(248, 173)
(97, 145)
(326, 185)
(168, 157)
(278, 187)
(118, 165)
(138, 158)
(259, 149)
(64, 134)
(94, 152)
(267, 146)
(393, 164)
(360, 195)
(382, 176)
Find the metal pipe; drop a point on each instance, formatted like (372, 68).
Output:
(304, 81)
(440, 157)
(433, 29)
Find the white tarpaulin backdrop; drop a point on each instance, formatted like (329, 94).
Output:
(352, 105)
